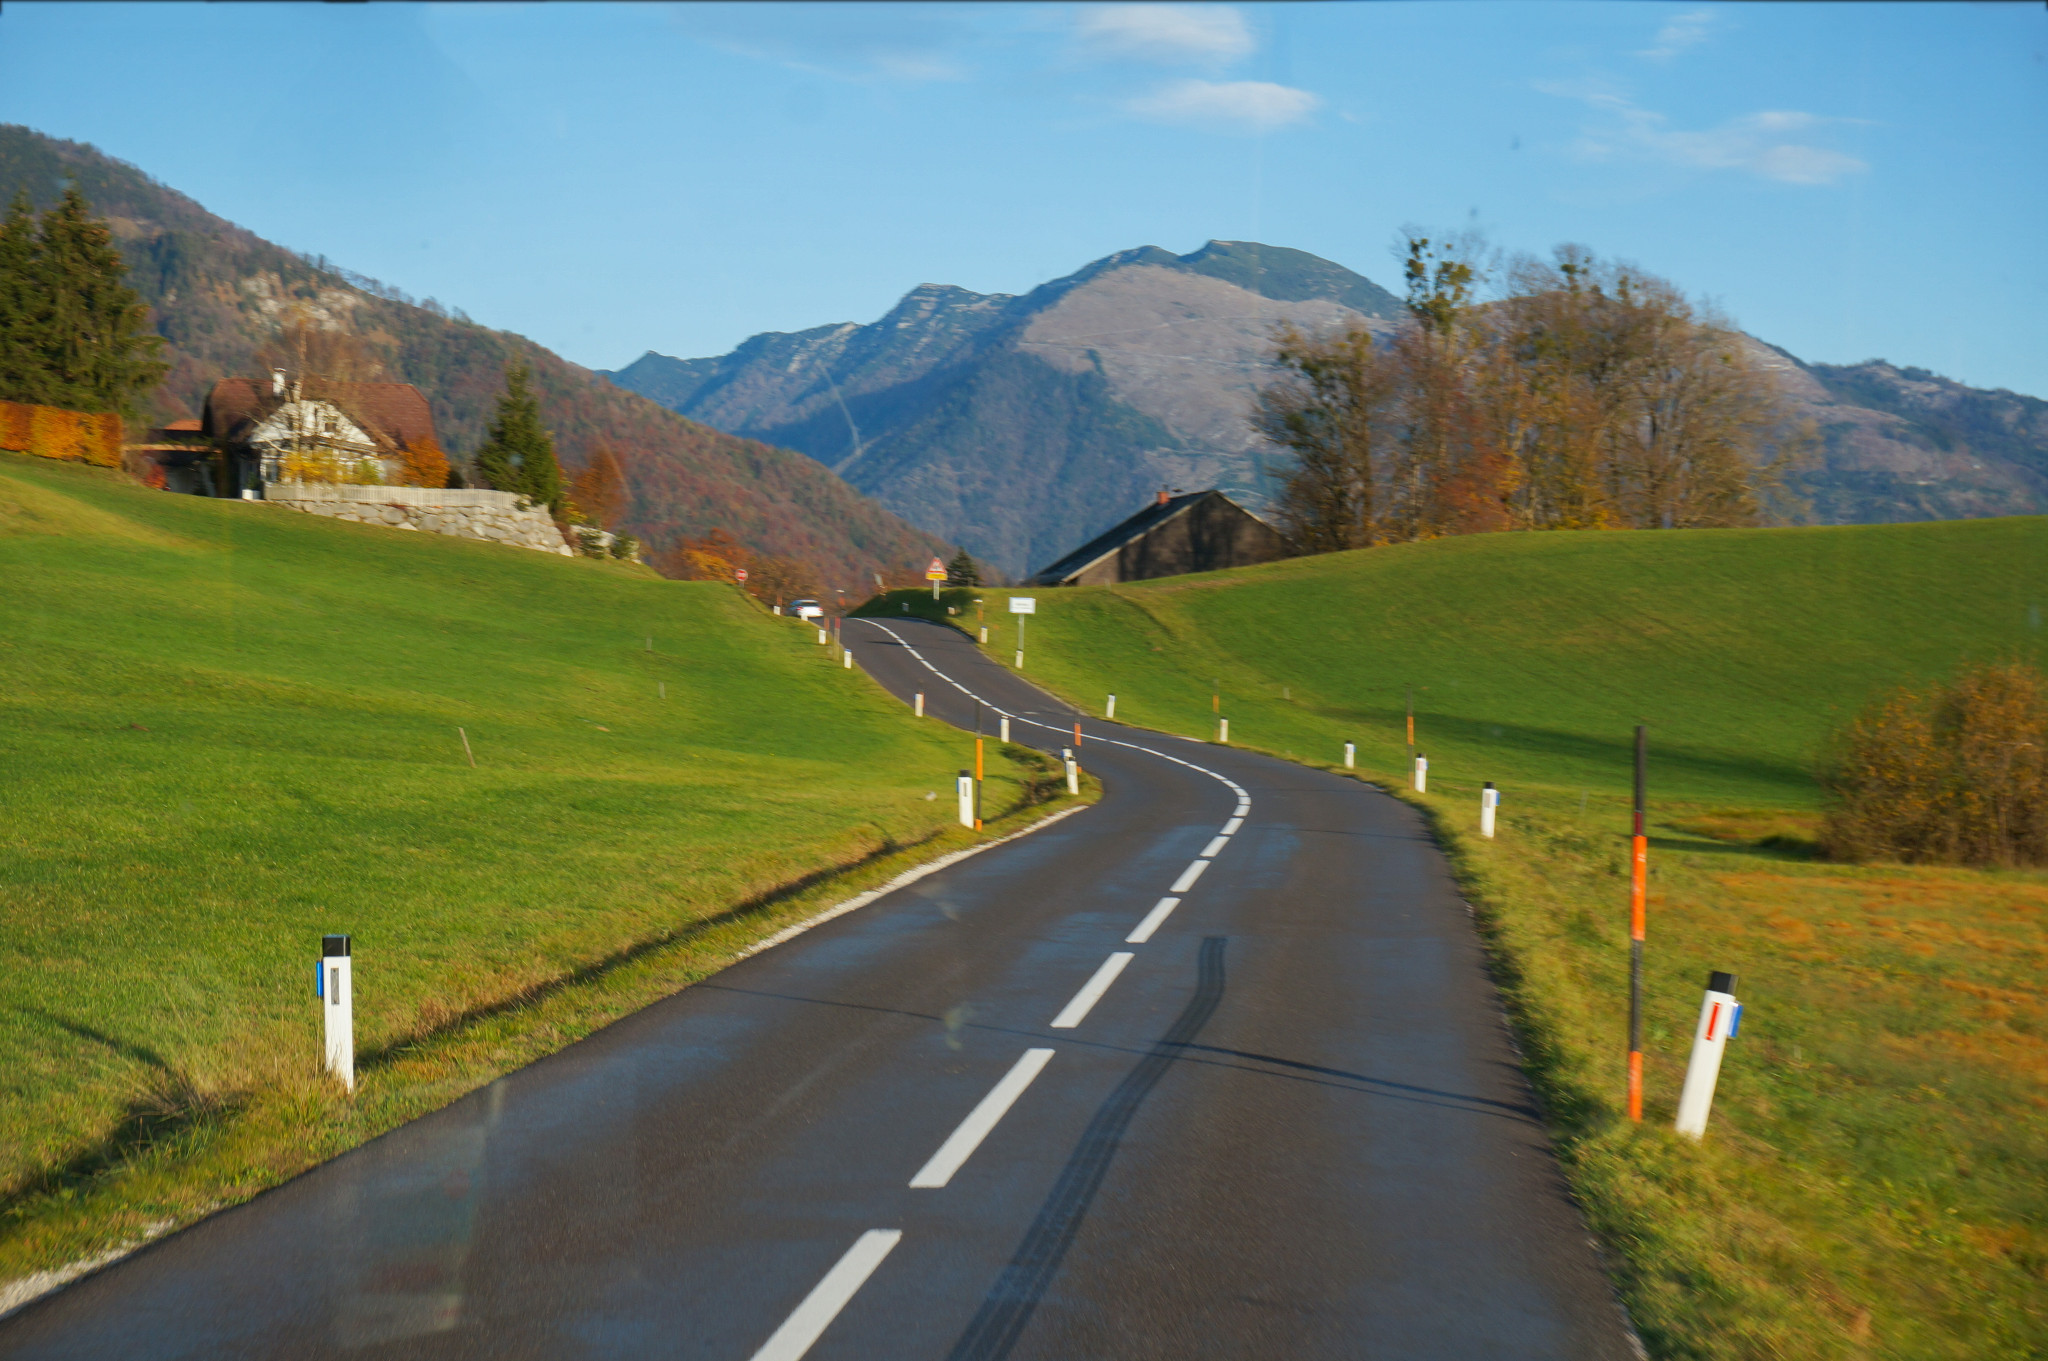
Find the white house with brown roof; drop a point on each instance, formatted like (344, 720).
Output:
(313, 429)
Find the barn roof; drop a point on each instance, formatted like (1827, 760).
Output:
(394, 413)
(1102, 545)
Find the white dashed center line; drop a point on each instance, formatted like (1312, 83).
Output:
(829, 1296)
(1091, 992)
(1214, 846)
(1188, 877)
(1159, 913)
(960, 1145)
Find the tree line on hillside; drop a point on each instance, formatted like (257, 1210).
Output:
(1588, 395)
(72, 333)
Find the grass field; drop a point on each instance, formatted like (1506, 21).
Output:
(229, 728)
(1871, 1184)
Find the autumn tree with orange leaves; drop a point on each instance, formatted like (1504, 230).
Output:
(1589, 395)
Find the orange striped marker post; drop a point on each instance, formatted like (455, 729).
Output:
(978, 772)
(1638, 894)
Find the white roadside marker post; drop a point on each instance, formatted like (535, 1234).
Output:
(846, 657)
(1073, 770)
(1350, 756)
(966, 788)
(984, 635)
(1421, 773)
(1489, 800)
(1223, 731)
(1109, 710)
(335, 987)
(821, 637)
(1006, 728)
(1720, 1016)
(920, 704)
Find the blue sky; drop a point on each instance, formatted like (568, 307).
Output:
(1845, 180)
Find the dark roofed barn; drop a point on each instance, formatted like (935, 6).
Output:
(1202, 531)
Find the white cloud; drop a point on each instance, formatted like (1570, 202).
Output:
(1165, 33)
(1240, 105)
(1680, 32)
(1756, 143)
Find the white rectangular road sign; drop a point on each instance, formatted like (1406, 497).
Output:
(1023, 604)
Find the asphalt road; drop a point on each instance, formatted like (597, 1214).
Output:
(1022, 1108)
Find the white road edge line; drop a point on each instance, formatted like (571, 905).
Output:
(1153, 921)
(962, 1142)
(909, 876)
(1215, 846)
(1091, 992)
(829, 1296)
(1188, 877)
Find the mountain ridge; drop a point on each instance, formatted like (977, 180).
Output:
(1022, 424)
(1055, 447)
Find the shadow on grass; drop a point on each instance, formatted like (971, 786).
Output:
(1036, 791)
(453, 1024)
(1675, 765)
(1769, 848)
(167, 1107)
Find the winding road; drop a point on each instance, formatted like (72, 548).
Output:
(1210, 1069)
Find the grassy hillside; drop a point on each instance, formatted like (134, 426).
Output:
(1533, 656)
(1871, 1181)
(229, 728)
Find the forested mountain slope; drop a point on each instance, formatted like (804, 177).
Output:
(1022, 425)
(219, 295)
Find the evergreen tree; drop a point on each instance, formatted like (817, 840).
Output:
(518, 455)
(98, 352)
(23, 309)
(963, 570)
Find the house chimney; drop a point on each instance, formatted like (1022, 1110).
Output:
(1162, 496)
(277, 382)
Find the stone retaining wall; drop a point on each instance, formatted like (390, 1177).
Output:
(494, 516)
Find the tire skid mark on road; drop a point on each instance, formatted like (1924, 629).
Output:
(1010, 1302)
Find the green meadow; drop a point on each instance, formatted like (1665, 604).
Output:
(229, 729)
(1871, 1183)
